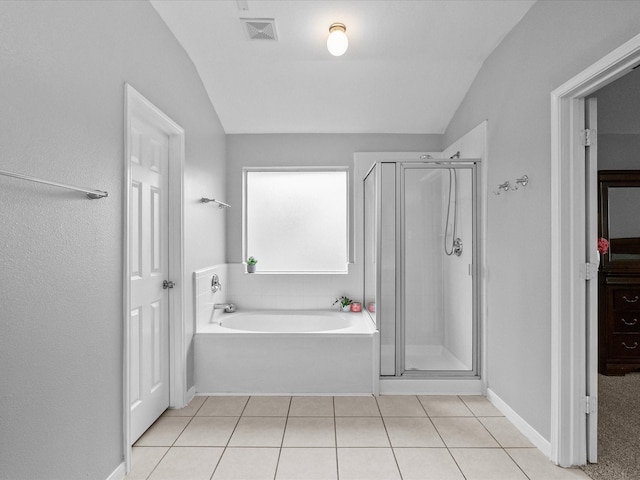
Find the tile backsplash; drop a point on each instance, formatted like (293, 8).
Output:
(269, 292)
(204, 297)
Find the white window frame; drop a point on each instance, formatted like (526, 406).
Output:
(245, 249)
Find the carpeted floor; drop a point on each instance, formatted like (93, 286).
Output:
(618, 429)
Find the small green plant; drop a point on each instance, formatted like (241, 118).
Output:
(251, 261)
(343, 301)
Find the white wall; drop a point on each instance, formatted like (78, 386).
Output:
(63, 69)
(458, 287)
(472, 145)
(552, 43)
(300, 291)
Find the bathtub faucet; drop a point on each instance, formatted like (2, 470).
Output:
(228, 307)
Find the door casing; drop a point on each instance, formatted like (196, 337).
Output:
(136, 103)
(568, 442)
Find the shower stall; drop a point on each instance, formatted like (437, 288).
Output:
(420, 281)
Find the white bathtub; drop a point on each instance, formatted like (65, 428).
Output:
(286, 352)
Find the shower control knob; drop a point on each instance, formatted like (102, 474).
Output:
(168, 284)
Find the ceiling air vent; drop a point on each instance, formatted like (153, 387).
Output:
(260, 28)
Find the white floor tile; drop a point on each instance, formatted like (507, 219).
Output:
(247, 464)
(365, 406)
(144, 460)
(400, 406)
(231, 406)
(361, 432)
(258, 432)
(311, 407)
(163, 432)
(412, 432)
(463, 432)
(444, 406)
(188, 411)
(294, 438)
(427, 464)
(480, 406)
(310, 432)
(367, 464)
(486, 464)
(191, 463)
(307, 464)
(207, 432)
(538, 467)
(504, 432)
(267, 407)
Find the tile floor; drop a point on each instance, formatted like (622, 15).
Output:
(339, 438)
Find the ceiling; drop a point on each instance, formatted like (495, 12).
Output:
(408, 66)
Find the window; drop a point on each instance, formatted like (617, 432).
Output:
(296, 220)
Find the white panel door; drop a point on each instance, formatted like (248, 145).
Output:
(149, 260)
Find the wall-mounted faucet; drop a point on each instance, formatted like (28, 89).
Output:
(522, 181)
(506, 186)
(215, 283)
(228, 307)
(503, 186)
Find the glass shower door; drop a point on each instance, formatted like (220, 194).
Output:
(438, 246)
(380, 258)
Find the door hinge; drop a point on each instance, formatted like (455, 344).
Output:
(588, 134)
(588, 271)
(590, 405)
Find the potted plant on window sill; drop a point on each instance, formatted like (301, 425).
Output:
(345, 303)
(251, 265)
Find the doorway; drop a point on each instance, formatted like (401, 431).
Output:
(573, 423)
(154, 357)
(614, 169)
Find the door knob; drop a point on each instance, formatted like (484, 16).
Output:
(168, 284)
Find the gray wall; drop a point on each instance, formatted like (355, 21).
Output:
(246, 150)
(63, 68)
(619, 123)
(555, 41)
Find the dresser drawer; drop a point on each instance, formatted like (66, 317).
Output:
(626, 298)
(626, 345)
(626, 321)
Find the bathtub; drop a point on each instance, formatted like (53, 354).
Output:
(286, 352)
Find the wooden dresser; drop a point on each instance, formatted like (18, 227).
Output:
(619, 275)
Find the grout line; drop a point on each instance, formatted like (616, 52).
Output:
(517, 464)
(224, 449)
(156, 465)
(181, 432)
(384, 425)
(201, 405)
(445, 443)
(170, 446)
(335, 435)
(284, 432)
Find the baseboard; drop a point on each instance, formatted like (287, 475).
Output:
(527, 430)
(286, 394)
(119, 473)
(191, 393)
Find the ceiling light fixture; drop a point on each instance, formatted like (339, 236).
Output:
(337, 42)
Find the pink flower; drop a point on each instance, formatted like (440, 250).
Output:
(603, 245)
